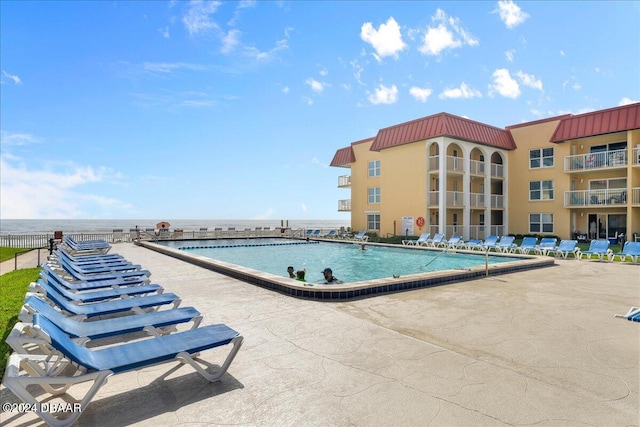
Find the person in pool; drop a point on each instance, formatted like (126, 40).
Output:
(300, 275)
(290, 271)
(329, 277)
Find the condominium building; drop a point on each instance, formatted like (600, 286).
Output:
(563, 176)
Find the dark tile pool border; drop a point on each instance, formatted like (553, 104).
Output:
(353, 290)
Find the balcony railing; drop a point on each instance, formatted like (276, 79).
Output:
(497, 201)
(476, 167)
(455, 198)
(497, 170)
(597, 197)
(433, 198)
(636, 155)
(455, 164)
(603, 159)
(344, 181)
(477, 200)
(344, 205)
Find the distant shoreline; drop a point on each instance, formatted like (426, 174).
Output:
(43, 226)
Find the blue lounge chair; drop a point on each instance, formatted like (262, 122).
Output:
(361, 236)
(490, 242)
(122, 306)
(473, 244)
(422, 240)
(111, 275)
(107, 259)
(599, 248)
(96, 268)
(633, 314)
(565, 248)
(331, 234)
(527, 245)
(157, 323)
(630, 250)
(44, 288)
(546, 244)
(505, 244)
(47, 273)
(97, 365)
(437, 239)
(452, 242)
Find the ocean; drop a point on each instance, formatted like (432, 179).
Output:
(44, 226)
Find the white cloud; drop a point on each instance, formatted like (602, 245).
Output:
(446, 34)
(504, 84)
(268, 55)
(315, 85)
(562, 52)
(323, 72)
(303, 207)
(511, 14)
(387, 40)
(384, 95)
(165, 32)
(576, 86)
(230, 41)
(421, 94)
(43, 193)
(197, 19)
(307, 100)
(509, 54)
(167, 67)
(464, 91)
(626, 101)
(15, 79)
(285, 90)
(16, 139)
(529, 80)
(357, 71)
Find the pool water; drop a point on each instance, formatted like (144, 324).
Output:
(348, 262)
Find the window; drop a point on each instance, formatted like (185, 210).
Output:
(541, 223)
(374, 168)
(541, 190)
(373, 221)
(374, 195)
(541, 158)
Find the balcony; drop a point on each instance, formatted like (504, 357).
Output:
(597, 198)
(455, 198)
(476, 167)
(600, 160)
(477, 200)
(344, 205)
(344, 181)
(497, 201)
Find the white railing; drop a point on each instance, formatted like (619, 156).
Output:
(433, 198)
(636, 155)
(595, 197)
(477, 232)
(344, 181)
(455, 198)
(497, 170)
(476, 167)
(455, 164)
(497, 201)
(344, 205)
(603, 159)
(635, 196)
(434, 162)
(498, 230)
(477, 200)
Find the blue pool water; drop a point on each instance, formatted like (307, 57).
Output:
(348, 262)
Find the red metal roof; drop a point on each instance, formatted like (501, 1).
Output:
(343, 157)
(600, 122)
(443, 124)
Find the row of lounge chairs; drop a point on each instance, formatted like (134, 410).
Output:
(531, 245)
(86, 295)
(359, 237)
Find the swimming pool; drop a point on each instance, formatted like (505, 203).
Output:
(348, 262)
(452, 267)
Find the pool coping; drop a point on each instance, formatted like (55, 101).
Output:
(353, 290)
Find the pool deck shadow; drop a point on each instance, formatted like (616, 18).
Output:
(531, 347)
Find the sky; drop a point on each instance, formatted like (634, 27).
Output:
(234, 110)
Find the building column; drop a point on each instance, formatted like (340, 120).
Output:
(442, 188)
(466, 194)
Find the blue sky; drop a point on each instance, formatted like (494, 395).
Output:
(234, 110)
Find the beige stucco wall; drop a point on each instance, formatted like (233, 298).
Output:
(360, 181)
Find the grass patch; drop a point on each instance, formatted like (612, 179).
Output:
(9, 253)
(13, 287)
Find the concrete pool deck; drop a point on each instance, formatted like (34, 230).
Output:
(533, 347)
